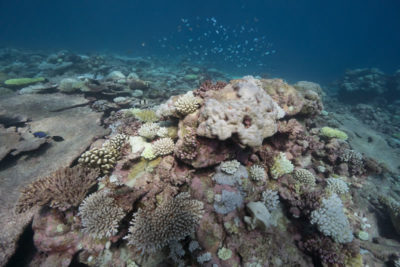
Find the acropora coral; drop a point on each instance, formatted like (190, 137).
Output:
(175, 219)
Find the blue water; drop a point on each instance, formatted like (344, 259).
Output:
(303, 40)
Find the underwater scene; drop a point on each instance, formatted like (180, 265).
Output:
(259, 133)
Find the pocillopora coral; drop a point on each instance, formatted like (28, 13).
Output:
(20, 82)
(333, 133)
(337, 185)
(281, 166)
(187, 103)
(304, 176)
(163, 146)
(148, 152)
(230, 167)
(332, 221)
(224, 253)
(149, 130)
(257, 173)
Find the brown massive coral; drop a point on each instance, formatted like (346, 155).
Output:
(63, 189)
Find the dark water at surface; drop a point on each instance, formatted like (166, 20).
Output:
(314, 40)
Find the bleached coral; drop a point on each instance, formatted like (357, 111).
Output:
(149, 130)
(172, 221)
(187, 103)
(205, 257)
(227, 202)
(332, 221)
(163, 146)
(162, 132)
(100, 215)
(230, 167)
(270, 199)
(257, 173)
(337, 185)
(243, 108)
(148, 152)
(281, 166)
(224, 178)
(304, 176)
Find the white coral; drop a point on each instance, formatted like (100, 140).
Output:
(304, 176)
(337, 185)
(257, 173)
(281, 166)
(149, 130)
(270, 199)
(187, 103)
(230, 167)
(332, 221)
(163, 146)
(243, 108)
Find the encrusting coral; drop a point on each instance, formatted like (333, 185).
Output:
(100, 215)
(333, 133)
(64, 189)
(172, 221)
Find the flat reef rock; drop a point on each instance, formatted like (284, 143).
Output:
(60, 115)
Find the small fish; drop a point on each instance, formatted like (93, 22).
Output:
(40, 134)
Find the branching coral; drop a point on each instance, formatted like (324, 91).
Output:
(172, 221)
(186, 148)
(64, 189)
(100, 215)
(332, 221)
(187, 103)
(257, 173)
(163, 146)
(149, 130)
(304, 176)
(270, 199)
(230, 167)
(281, 166)
(106, 157)
(337, 185)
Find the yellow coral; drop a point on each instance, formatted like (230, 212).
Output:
(333, 133)
(145, 115)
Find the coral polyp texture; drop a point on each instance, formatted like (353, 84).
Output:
(100, 215)
(149, 130)
(241, 108)
(304, 176)
(64, 189)
(106, 157)
(172, 221)
(332, 221)
(257, 173)
(337, 185)
(163, 146)
(281, 165)
(230, 167)
(187, 103)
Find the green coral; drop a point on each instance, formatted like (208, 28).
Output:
(333, 133)
(224, 253)
(20, 82)
(281, 166)
(145, 115)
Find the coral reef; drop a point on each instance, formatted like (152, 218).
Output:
(172, 221)
(100, 215)
(64, 189)
(187, 103)
(149, 130)
(257, 173)
(281, 165)
(163, 146)
(332, 221)
(333, 133)
(230, 167)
